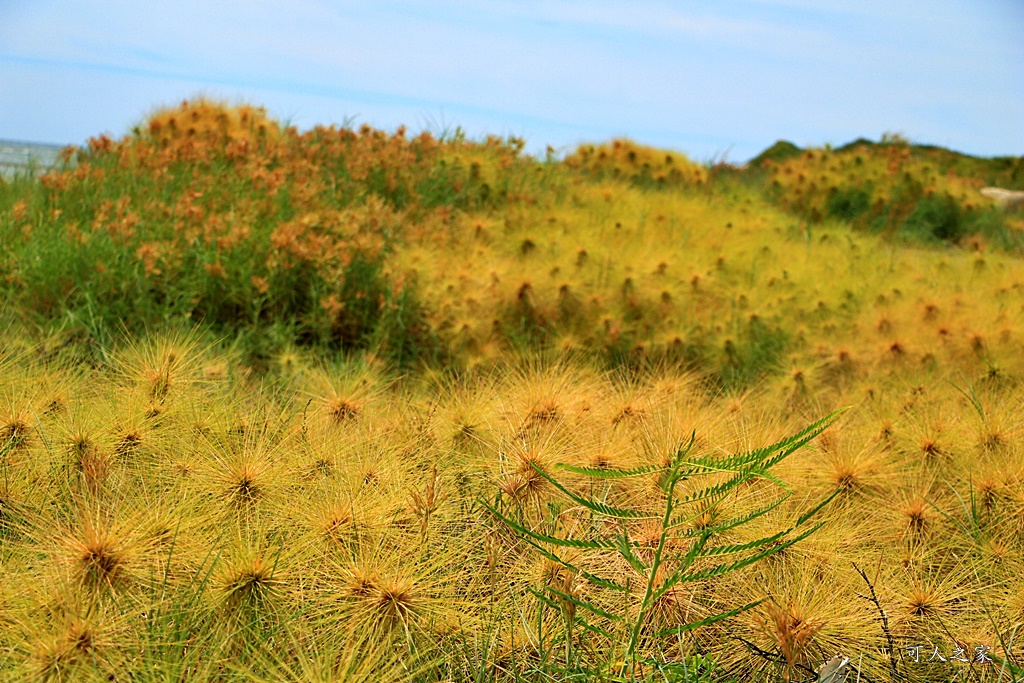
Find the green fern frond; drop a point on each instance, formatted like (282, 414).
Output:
(591, 578)
(739, 564)
(735, 521)
(628, 555)
(740, 468)
(593, 505)
(611, 473)
(553, 540)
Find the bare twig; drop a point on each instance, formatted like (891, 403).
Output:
(773, 657)
(885, 620)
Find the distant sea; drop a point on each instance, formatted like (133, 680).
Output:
(18, 156)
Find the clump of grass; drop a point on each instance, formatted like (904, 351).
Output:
(81, 644)
(248, 584)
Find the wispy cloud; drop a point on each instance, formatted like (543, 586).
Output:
(558, 71)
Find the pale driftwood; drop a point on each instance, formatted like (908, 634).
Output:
(1007, 199)
(834, 670)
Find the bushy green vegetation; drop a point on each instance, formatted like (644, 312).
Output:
(910, 192)
(342, 405)
(221, 216)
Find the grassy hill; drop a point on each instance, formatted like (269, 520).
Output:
(348, 405)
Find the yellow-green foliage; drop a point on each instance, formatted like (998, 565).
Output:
(676, 276)
(189, 505)
(170, 515)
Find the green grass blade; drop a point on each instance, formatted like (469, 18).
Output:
(585, 604)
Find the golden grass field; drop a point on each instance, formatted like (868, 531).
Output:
(349, 406)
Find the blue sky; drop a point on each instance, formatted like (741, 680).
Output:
(712, 79)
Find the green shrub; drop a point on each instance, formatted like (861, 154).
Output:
(755, 353)
(936, 217)
(848, 203)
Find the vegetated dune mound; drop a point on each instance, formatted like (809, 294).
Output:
(349, 404)
(453, 250)
(913, 191)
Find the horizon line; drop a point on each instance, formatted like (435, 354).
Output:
(913, 143)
